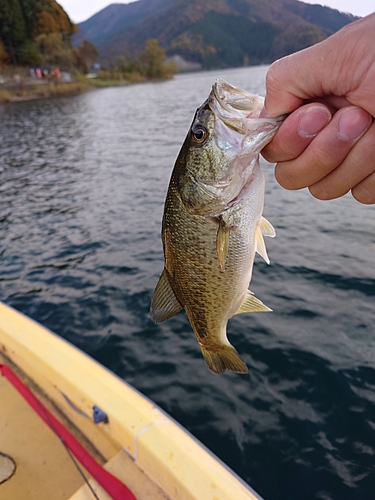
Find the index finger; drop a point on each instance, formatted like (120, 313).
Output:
(296, 133)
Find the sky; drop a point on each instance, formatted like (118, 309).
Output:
(81, 10)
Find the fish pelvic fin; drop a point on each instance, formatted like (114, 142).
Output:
(251, 304)
(267, 228)
(264, 228)
(164, 302)
(222, 357)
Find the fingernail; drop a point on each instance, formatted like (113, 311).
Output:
(313, 121)
(353, 123)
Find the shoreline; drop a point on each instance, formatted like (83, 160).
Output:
(30, 94)
(62, 89)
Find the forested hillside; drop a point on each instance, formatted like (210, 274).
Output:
(31, 28)
(215, 33)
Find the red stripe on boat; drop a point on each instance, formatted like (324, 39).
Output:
(113, 486)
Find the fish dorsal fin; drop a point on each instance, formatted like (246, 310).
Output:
(263, 228)
(251, 304)
(164, 302)
(222, 242)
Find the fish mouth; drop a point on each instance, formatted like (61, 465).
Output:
(236, 101)
(239, 110)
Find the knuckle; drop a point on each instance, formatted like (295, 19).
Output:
(364, 195)
(267, 155)
(277, 153)
(319, 192)
(284, 147)
(284, 174)
(271, 77)
(322, 191)
(320, 161)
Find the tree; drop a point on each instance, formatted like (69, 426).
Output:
(22, 21)
(12, 26)
(4, 56)
(44, 24)
(29, 54)
(54, 50)
(87, 55)
(153, 58)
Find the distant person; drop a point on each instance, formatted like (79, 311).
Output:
(328, 142)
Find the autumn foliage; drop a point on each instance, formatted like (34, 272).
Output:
(23, 22)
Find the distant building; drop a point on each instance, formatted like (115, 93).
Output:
(65, 77)
(94, 71)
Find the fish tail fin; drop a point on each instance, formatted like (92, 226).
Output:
(223, 357)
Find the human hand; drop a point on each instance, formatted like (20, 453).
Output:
(328, 142)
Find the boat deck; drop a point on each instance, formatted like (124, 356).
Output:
(44, 469)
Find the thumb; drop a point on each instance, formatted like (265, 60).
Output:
(282, 96)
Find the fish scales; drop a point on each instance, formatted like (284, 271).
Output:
(212, 225)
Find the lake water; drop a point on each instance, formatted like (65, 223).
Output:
(83, 181)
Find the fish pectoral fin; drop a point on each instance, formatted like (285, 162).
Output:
(222, 242)
(251, 304)
(267, 228)
(223, 357)
(164, 302)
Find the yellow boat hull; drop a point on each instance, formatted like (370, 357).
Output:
(140, 444)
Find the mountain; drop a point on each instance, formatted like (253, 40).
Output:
(115, 19)
(215, 33)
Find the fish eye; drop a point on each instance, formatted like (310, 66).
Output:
(199, 133)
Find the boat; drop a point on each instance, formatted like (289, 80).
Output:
(72, 430)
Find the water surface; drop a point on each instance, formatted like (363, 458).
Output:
(82, 186)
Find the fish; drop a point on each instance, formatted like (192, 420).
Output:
(213, 224)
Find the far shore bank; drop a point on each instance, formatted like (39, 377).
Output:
(21, 92)
(29, 93)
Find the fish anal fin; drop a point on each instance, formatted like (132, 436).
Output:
(222, 242)
(251, 304)
(219, 358)
(164, 301)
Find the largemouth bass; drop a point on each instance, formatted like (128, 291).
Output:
(212, 223)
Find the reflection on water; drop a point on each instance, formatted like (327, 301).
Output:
(82, 186)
